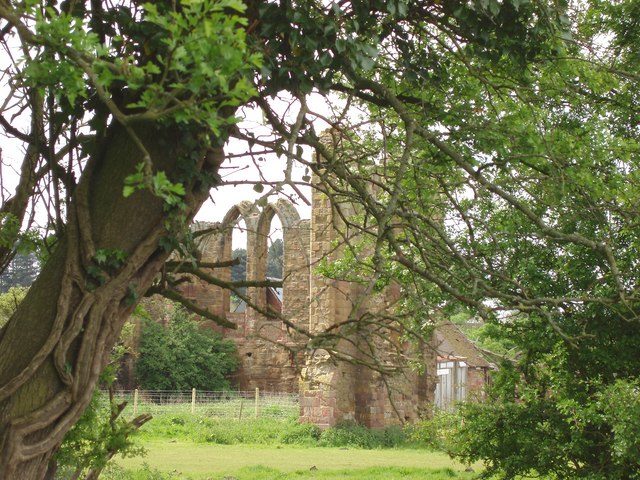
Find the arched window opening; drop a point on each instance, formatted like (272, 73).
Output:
(239, 269)
(275, 264)
(273, 261)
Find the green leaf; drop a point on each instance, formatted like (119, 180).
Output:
(128, 190)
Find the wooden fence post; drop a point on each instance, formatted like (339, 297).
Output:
(257, 400)
(193, 400)
(135, 402)
(241, 405)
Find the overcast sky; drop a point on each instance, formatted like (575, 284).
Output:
(236, 169)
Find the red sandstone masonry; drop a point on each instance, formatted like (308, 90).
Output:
(330, 392)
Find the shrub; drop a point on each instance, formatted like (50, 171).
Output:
(351, 434)
(556, 436)
(393, 436)
(101, 433)
(183, 356)
(300, 434)
(96, 438)
(438, 432)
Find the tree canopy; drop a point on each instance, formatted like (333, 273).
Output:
(183, 356)
(490, 148)
(21, 272)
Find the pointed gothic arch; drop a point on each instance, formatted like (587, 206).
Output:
(289, 219)
(244, 211)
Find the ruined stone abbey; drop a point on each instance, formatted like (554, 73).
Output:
(337, 383)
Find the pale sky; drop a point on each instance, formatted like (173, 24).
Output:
(243, 169)
(223, 198)
(236, 169)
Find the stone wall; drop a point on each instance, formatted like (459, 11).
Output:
(334, 383)
(334, 390)
(477, 380)
(269, 350)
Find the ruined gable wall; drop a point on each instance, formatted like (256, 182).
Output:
(269, 351)
(332, 390)
(327, 388)
(273, 356)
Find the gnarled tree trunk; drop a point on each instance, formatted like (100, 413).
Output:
(55, 346)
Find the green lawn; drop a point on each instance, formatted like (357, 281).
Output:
(260, 462)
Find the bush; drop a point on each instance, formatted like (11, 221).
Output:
(436, 433)
(597, 438)
(183, 356)
(351, 434)
(393, 437)
(300, 434)
(101, 433)
(95, 439)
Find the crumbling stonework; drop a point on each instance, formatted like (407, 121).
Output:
(269, 350)
(334, 384)
(333, 391)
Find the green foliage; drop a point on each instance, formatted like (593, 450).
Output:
(516, 205)
(183, 356)
(553, 434)
(350, 434)
(9, 229)
(350, 38)
(101, 432)
(196, 37)
(159, 184)
(9, 302)
(619, 406)
(268, 431)
(301, 434)
(239, 272)
(192, 38)
(204, 429)
(275, 259)
(438, 432)
(115, 472)
(488, 336)
(92, 440)
(12, 239)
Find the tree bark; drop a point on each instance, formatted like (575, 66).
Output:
(55, 346)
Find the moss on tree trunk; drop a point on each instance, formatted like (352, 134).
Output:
(56, 344)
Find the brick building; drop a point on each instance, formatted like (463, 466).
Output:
(462, 368)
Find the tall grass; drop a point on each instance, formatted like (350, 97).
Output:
(265, 473)
(270, 431)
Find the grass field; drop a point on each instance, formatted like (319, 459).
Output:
(184, 446)
(188, 460)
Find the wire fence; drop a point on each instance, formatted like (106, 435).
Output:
(217, 404)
